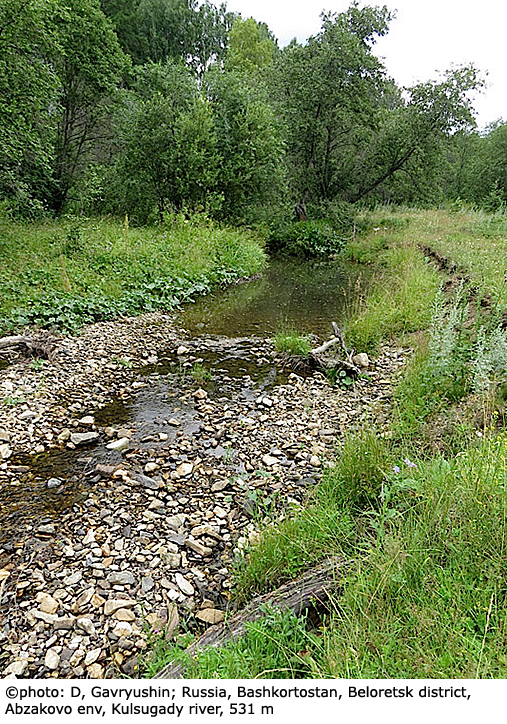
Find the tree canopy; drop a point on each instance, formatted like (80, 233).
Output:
(142, 106)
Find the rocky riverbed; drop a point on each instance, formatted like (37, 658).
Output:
(134, 469)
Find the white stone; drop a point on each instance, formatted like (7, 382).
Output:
(122, 628)
(361, 360)
(92, 656)
(17, 668)
(184, 469)
(184, 585)
(121, 444)
(52, 659)
(86, 625)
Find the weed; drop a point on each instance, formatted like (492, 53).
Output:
(200, 373)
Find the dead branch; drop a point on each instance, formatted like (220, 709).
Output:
(311, 591)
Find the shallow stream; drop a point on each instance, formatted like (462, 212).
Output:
(227, 333)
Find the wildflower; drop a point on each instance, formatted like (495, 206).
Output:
(396, 469)
(410, 463)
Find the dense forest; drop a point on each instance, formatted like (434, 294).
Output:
(141, 107)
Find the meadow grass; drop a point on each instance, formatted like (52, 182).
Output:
(400, 295)
(291, 342)
(104, 260)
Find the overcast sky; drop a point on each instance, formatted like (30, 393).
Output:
(426, 36)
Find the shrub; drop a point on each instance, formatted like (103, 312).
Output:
(307, 239)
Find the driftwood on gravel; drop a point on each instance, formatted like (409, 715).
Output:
(319, 358)
(310, 592)
(42, 345)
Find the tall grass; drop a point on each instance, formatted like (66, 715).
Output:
(399, 299)
(429, 601)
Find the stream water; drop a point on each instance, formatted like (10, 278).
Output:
(304, 296)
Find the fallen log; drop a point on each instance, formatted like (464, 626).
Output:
(40, 346)
(310, 592)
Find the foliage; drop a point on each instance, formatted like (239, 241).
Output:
(326, 90)
(249, 143)
(308, 239)
(360, 473)
(83, 271)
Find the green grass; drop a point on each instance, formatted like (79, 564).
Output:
(276, 646)
(400, 296)
(423, 526)
(291, 342)
(428, 600)
(72, 271)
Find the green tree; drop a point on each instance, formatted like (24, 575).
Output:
(327, 92)
(249, 142)
(412, 137)
(252, 48)
(28, 90)
(89, 67)
(166, 155)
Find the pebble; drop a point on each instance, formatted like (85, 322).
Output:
(52, 659)
(121, 444)
(210, 615)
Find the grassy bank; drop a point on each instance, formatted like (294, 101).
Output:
(64, 273)
(419, 510)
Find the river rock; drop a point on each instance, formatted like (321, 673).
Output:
(86, 625)
(361, 360)
(198, 548)
(52, 659)
(184, 469)
(122, 628)
(92, 656)
(47, 529)
(87, 420)
(83, 438)
(210, 615)
(47, 604)
(184, 585)
(118, 445)
(95, 671)
(114, 604)
(123, 614)
(5, 452)
(122, 578)
(16, 668)
(269, 460)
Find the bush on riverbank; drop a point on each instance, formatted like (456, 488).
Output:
(62, 274)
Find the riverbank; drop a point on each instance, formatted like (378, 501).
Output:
(233, 475)
(74, 271)
(418, 506)
(136, 515)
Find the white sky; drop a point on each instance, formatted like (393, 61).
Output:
(426, 36)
